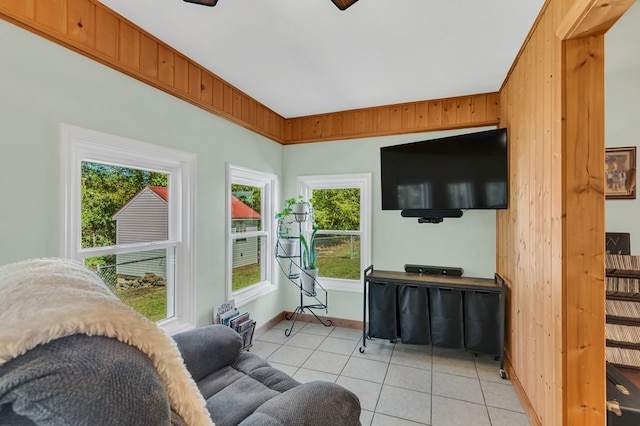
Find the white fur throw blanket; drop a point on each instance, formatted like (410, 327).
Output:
(46, 299)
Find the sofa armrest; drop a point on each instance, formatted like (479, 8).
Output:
(208, 349)
(313, 404)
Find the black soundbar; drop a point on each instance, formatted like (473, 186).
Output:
(431, 214)
(434, 270)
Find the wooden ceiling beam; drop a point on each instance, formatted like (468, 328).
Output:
(588, 18)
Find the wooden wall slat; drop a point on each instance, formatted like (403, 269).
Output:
(435, 114)
(227, 101)
(218, 95)
(246, 109)
(395, 118)
(551, 198)
(106, 42)
(371, 119)
(422, 115)
(129, 46)
(149, 57)
(478, 105)
(194, 80)
(462, 109)
(52, 14)
(359, 121)
(348, 122)
(236, 105)
(408, 116)
(181, 73)
(26, 8)
(166, 65)
(493, 106)
(81, 25)
(206, 89)
(309, 127)
(253, 113)
(383, 118)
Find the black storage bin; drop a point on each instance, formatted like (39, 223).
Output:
(447, 324)
(413, 304)
(627, 402)
(383, 317)
(482, 322)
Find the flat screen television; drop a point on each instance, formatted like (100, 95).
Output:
(451, 174)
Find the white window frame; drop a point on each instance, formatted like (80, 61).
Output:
(306, 186)
(79, 145)
(268, 183)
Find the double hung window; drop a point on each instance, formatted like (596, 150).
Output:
(249, 241)
(342, 210)
(128, 213)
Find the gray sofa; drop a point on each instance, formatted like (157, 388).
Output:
(97, 380)
(241, 388)
(71, 353)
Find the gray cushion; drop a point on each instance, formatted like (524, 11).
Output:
(324, 403)
(82, 380)
(241, 388)
(208, 349)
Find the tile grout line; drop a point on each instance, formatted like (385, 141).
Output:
(484, 398)
(395, 348)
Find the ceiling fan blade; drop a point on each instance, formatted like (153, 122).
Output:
(343, 4)
(203, 2)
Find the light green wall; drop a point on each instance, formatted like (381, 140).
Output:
(43, 85)
(622, 125)
(468, 242)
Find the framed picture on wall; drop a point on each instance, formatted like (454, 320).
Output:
(620, 173)
(618, 242)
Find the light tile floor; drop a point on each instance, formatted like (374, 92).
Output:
(398, 384)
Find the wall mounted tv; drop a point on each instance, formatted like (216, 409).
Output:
(442, 177)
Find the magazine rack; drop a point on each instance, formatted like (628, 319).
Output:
(290, 262)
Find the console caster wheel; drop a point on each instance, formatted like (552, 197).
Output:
(361, 349)
(503, 374)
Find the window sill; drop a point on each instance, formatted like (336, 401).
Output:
(335, 284)
(174, 326)
(248, 295)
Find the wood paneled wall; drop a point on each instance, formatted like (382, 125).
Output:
(92, 29)
(529, 234)
(440, 114)
(550, 243)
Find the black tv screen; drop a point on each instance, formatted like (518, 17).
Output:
(467, 171)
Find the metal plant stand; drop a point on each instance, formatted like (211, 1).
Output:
(294, 272)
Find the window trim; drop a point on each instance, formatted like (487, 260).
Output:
(306, 185)
(268, 181)
(79, 144)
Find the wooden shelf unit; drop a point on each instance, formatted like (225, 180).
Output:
(623, 310)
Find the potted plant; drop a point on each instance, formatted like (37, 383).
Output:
(296, 210)
(309, 263)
